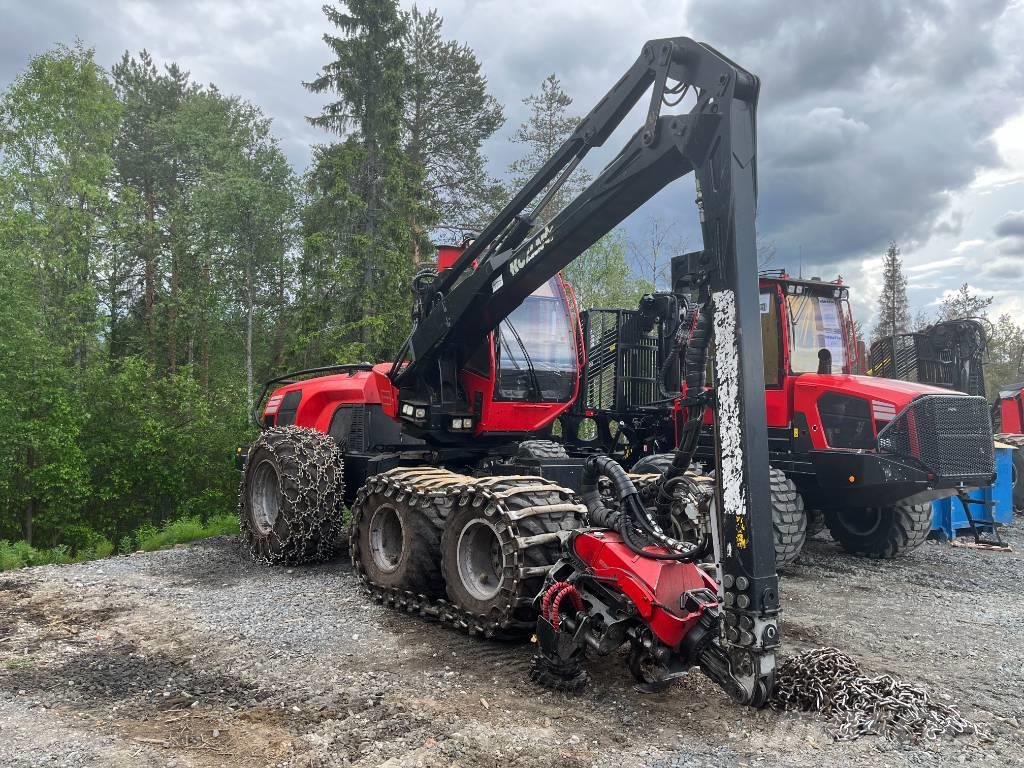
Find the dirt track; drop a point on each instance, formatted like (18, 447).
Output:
(196, 657)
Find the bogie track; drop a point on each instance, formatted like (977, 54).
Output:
(475, 551)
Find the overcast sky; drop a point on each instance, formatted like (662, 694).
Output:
(878, 120)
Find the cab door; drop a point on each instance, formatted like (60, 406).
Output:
(777, 396)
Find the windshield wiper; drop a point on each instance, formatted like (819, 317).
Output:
(534, 381)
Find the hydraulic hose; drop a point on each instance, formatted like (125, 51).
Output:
(632, 518)
(694, 372)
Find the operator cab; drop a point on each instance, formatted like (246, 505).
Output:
(806, 327)
(535, 349)
(523, 374)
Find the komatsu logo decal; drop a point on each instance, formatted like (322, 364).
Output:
(539, 242)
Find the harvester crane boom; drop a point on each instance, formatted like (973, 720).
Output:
(459, 511)
(513, 257)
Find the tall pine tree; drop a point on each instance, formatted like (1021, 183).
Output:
(545, 130)
(893, 307)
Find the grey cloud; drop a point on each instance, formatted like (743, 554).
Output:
(1005, 268)
(872, 112)
(1011, 225)
(1012, 246)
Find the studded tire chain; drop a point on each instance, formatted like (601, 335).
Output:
(309, 467)
(828, 681)
(528, 512)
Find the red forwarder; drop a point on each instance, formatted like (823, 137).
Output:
(869, 454)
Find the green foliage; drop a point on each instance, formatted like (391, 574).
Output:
(20, 554)
(145, 227)
(93, 546)
(1005, 363)
(602, 278)
(964, 303)
(159, 258)
(448, 115)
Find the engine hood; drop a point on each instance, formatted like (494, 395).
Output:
(898, 393)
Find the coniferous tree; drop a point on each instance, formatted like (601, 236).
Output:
(448, 116)
(545, 130)
(368, 77)
(602, 275)
(964, 303)
(893, 309)
(146, 177)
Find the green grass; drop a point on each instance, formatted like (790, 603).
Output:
(148, 538)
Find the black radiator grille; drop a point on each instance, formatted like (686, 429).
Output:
(949, 435)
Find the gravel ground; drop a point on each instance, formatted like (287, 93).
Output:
(197, 657)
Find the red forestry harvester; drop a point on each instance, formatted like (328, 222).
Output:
(460, 510)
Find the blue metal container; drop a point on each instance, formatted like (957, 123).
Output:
(948, 517)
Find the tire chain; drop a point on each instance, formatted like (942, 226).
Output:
(829, 681)
(444, 489)
(318, 500)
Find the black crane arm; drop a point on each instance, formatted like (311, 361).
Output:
(513, 258)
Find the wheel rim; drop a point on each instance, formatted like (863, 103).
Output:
(481, 566)
(387, 538)
(862, 521)
(265, 497)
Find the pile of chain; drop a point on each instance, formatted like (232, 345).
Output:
(826, 680)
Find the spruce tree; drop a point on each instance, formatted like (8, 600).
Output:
(964, 303)
(893, 308)
(368, 77)
(602, 274)
(546, 129)
(448, 115)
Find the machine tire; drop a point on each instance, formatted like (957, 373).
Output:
(541, 449)
(656, 463)
(789, 521)
(889, 532)
(508, 596)
(398, 545)
(292, 496)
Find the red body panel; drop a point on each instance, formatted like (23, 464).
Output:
(654, 586)
(808, 387)
(1011, 414)
(321, 395)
